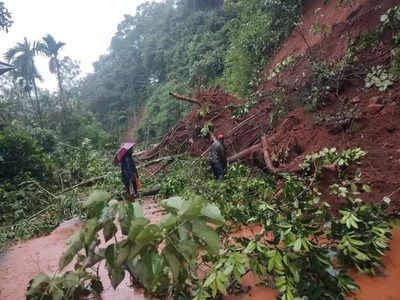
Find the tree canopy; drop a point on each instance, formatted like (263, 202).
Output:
(179, 46)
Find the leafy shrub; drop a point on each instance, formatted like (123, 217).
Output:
(391, 18)
(21, 156)
(379, 78)
(163, 271)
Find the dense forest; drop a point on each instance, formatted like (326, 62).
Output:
(307, 94)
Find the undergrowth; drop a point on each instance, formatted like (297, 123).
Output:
(298, 244)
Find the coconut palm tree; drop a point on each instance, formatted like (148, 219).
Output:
(22, 57)
(50, 48)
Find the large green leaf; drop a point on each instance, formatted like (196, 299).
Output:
(168, 221)
(126, 215)
(207, 234)
(89, 231)
(191, 208)
(188, 249)
(75, 244)
(173, 262)
(137, 226)
(173, 202)
(154, 263)
(96, 202)
(116, 276)
(39, 284)
(110, 255)
(213, 214)
(109, 230)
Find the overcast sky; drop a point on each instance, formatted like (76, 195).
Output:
(86, 26)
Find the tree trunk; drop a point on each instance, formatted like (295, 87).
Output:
(187, 99)
(39, 111)
(60, 87)
(244, 153)
(267, 157)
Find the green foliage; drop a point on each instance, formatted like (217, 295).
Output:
(21, 156)
(320, 84)
(316, 26)
(5, 18)
(315, 161)
(391, 19)
(281, 66)
(364, 230)
(169, 270)
(206, 129)
(256, 32)
(379, 78)
(70, 285)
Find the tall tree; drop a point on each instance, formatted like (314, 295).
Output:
(22, 57)
(5, 18)
(51, 48)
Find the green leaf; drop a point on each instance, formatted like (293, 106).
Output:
(173, 202)
(366, 188)
(126, 215)
(150, 234)
(207, 234)
(191, 208)
(109, 230)
(297, 245)
(136, 227)
(123, 254)
(75, 244)
(172, 260)
(110, 255)
(154, 263)
(168, 221)
(210, 279)
(39, 284)
(96, 197)
(213, 214)
(116, 276)
(89, 231)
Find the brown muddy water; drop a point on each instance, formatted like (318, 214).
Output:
(26, 259)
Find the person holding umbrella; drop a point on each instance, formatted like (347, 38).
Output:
(129, 173)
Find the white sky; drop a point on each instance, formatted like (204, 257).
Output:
(86, 26)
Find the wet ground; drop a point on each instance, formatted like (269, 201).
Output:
(25, 259)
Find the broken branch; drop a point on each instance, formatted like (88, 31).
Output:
(184, 98)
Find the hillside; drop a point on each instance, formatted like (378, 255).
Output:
(319, 100)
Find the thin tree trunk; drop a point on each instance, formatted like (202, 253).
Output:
(39, 112)
(244, 153)
(60, 87)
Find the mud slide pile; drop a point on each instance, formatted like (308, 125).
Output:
(348, 116)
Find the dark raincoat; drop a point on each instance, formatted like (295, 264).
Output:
(217, 159)
(129, 172)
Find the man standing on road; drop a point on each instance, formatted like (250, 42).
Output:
(217, 158)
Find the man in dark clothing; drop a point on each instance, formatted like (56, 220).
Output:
(129, 173)
(217, 158)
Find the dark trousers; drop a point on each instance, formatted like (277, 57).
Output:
(218, 170)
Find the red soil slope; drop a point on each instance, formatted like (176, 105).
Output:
(375, 128)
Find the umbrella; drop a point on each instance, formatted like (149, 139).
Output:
(121, 152)
(5, 67)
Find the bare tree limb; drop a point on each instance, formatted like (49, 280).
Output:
(184, 98)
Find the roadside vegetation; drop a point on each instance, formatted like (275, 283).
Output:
(56, 154)
(299, 244)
